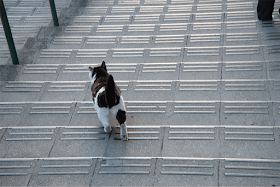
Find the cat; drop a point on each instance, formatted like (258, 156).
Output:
(107, 99)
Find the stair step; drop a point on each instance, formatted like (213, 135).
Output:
(88, 169)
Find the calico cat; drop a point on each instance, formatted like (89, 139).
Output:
(107, 99)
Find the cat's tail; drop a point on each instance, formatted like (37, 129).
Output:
(111, 92)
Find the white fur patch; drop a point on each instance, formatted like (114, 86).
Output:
(92, 78)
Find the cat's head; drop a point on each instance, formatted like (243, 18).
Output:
(99, 71)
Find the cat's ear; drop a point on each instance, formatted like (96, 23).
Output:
(90, 68)
(103, 65)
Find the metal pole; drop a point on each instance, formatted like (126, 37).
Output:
(54, 14)
(8, 33)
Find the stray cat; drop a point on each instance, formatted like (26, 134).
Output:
(107, 99)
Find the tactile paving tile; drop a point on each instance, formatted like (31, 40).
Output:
(78, 30)
(16, 171)
(196, 38)
(173, 166)
(25, 31)
(49, 53)
(18, 142)
(273, 36)
(254, 112)
(62, 41)
(41, 69)
(93, 41)
(123, 9)
(19, 42)
(11, 112)
(240, 15)
(89, 11)
(209, 7)
(200, 67)
(4, 54)
(127, 2)
(273, 68)
(37, 21)
(67, 87)
(30, 134)
(12, 108)
(248, 90)
(140, 133)
(239, 37)
(153, 18)
(23, 86)
(10, 3)
(126, 166)
(263, 168)
(109, 29)
(90, 53)
(50, 108)
(124, 19)
(163, 71)
(197, 90)
(191, 133)
(135, 28)
(198, 86)
(146, 107)
(249, 134)
(65, 167)
(80, 133)
(20, 11)
(31, 3)
(153, 86)
(87, 20)
(246, 108)
(48, 113)
(184, 171)
(194, 108)
(126, 53)
(244, 66)
(245, 86)
(39, 72)
(182, 1)
(250, 25)
(64, 171)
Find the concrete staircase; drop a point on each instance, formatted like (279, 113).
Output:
(200, 78)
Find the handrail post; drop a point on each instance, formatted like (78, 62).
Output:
(8, 33)
(54, 14)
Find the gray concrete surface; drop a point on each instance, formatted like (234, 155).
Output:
(200, 81)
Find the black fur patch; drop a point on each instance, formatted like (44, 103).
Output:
(102, 100)
(103, 65)
(121, 116)
(117, 99)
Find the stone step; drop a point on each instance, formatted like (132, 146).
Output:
(144, 171)
(144, 141)
(179, 40)
(158, 55)
(146, 90)
(169, 28)
(208, 112)
(196, 71)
